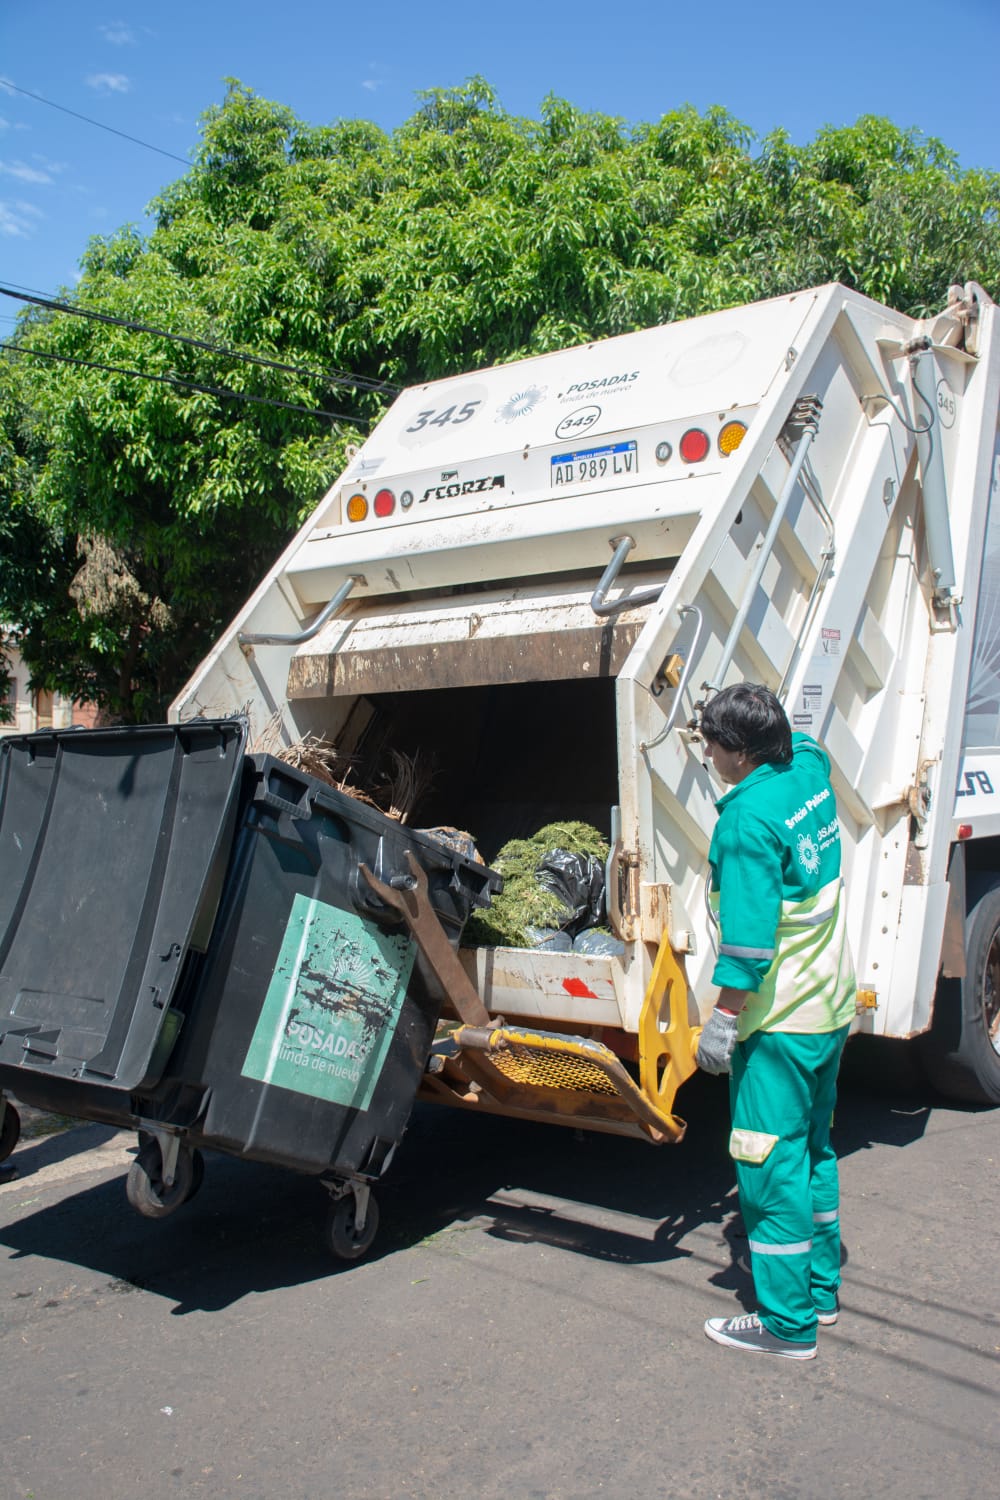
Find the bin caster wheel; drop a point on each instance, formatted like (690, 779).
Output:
(145, 1189)
(197, 1174)
(343, 1237)
(10, 1131)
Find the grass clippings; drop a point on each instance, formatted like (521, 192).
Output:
(523, 903)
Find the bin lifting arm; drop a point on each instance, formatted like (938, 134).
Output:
(408, 896)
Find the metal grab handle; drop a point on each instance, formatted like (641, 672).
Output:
(599, 602)
(247, 639)
(685, 609)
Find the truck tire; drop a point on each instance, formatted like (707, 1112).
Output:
(961, 1052)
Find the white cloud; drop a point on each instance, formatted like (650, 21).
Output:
(118, 34)
(111, 83)
(16, 220)
(45, 165)
(23, 172)
(376, 77)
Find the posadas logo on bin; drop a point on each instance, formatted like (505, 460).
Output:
(331, 1006)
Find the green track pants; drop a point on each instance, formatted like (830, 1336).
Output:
(783, 1088)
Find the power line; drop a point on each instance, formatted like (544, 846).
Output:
(6, 83)
(336, 377)
(37, 291)
(192, 385)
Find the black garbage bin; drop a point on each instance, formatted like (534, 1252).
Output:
(291, 1014)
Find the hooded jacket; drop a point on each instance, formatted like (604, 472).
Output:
(777, 891)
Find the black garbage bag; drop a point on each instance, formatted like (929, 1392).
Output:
(577, 882)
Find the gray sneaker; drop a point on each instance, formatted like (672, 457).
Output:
(748, 1332)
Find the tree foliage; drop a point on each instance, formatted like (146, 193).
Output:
(137, 514)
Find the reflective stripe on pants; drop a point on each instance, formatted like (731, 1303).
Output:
(785, 1084)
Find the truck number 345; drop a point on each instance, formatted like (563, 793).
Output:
(444, 418)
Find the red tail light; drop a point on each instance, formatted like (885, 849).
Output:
(694, 445)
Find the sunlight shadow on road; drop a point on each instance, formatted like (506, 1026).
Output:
(253, 1228)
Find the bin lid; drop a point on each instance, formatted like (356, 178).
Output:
(114, 845)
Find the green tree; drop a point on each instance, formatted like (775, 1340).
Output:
(139, 513)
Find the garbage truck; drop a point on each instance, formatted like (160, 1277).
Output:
(531, 579)
(535, 575)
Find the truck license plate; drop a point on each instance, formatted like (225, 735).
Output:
(594, 463)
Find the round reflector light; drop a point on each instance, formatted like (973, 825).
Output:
(731, 436)
(406, 499)
(694, 445)
(663, 452)
(385, 503)
(357, 508)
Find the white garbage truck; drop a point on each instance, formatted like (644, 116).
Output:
(533, 576)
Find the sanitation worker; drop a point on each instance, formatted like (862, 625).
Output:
(786, 998)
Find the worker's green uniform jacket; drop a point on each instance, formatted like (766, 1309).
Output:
(777, 891)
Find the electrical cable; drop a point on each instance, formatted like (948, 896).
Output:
(6, 83)
(35, 290)
(176, 380)
(337, 377)
(883, 395)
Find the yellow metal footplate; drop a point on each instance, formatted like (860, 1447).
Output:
(571, 1080)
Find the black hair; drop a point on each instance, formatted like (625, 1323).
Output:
(748, 717)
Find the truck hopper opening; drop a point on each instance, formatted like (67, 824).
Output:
(506, 760)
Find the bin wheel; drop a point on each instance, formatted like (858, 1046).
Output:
(10, 1131)
(144, 1185)
(197, 1173)
(343, 1237)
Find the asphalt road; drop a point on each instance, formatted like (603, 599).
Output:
(528, 1324)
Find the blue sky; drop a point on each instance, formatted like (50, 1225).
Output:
(150, 70)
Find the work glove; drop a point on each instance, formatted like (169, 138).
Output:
(716, 1043)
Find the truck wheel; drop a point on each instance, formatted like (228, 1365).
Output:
(961, 1052)
(10, 1131)
(144, 1186)
(342, 1236)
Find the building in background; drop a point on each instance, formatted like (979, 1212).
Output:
(37, 708)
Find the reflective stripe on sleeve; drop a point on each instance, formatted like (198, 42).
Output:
(829, 1217)
(730, 950)
(801, 1247)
